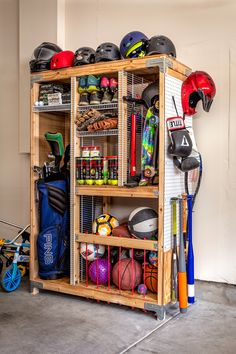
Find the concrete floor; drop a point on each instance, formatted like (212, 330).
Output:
(56, 323)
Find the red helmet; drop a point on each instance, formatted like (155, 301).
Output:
(198, 86)
(62, 60)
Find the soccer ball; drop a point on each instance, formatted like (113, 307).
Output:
(104, 224)
(92, 252)
(153, 258)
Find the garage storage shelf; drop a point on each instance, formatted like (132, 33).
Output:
(169, 74)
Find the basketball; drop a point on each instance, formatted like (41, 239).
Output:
(123, 270)
(98, 271)
(151, 278)
(143, 223)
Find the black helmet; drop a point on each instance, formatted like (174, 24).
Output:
(160, 45)
(106, 52)
(42, 56)
(151, 94)
(84, 55)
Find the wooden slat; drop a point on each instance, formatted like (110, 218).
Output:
(102, 293)
(138, 64)
(114, 191)
(167, 277)
(161, 187)
(176, 74)
(117, 241)
(34, 160)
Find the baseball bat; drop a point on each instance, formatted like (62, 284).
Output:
(190, 258)
(184, 197)
(182, 276)
(174, 293)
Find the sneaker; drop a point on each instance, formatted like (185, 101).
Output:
(115, 97)
(93, 83)
(84, 99)
(106, 97)
(82, 84)
(95, 97)
(104, 84)
(113, 85)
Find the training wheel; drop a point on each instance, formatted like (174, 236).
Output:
(8, 281)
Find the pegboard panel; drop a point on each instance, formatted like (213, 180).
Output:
(174, 179)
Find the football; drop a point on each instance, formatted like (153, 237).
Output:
(121, 231)
(104, 224)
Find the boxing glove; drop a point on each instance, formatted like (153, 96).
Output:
(181, 143)
(186, 164)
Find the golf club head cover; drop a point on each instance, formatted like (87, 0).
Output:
(181, 143)
(186, 164)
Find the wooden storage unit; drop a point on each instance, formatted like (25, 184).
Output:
(170, 74)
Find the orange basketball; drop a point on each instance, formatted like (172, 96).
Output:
(151, 278)
(130, 276)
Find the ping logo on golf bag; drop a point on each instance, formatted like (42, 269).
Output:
(48, 255)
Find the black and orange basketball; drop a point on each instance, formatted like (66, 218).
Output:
(151, 278)
(130, 275)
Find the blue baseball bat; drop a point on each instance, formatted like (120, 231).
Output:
(190, 258)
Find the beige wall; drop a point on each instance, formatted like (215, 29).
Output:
(204, 34)
(14, 177)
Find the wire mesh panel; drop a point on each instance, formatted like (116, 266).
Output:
(174, 178)
(90, 208)
(135, 86)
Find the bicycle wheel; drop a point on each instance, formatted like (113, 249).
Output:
(10, 282)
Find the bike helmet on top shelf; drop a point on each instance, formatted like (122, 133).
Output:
(84, 55)
(150, 94)
(106, 52)
(198, 86)
(133, 45)
(161, 45)
(63, 59)
(42, 55)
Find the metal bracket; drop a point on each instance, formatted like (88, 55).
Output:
(36, 284)
(159, 310)
(163, 64)
(76, 237)
(156, 245)
(35, 78)
(156, 193)
(188, 72)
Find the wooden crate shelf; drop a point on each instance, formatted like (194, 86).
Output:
(102, 293)
(149, 245)
(168, 73)
(114, 191)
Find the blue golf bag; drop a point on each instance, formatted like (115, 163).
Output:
(54, 236)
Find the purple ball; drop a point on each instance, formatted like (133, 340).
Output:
(142, 289)
(100, 265)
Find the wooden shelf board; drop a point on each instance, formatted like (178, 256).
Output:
(114, 191)
(142, 66)
(150, 245)
(114, 295)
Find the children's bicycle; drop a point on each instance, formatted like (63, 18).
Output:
(16, 256)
